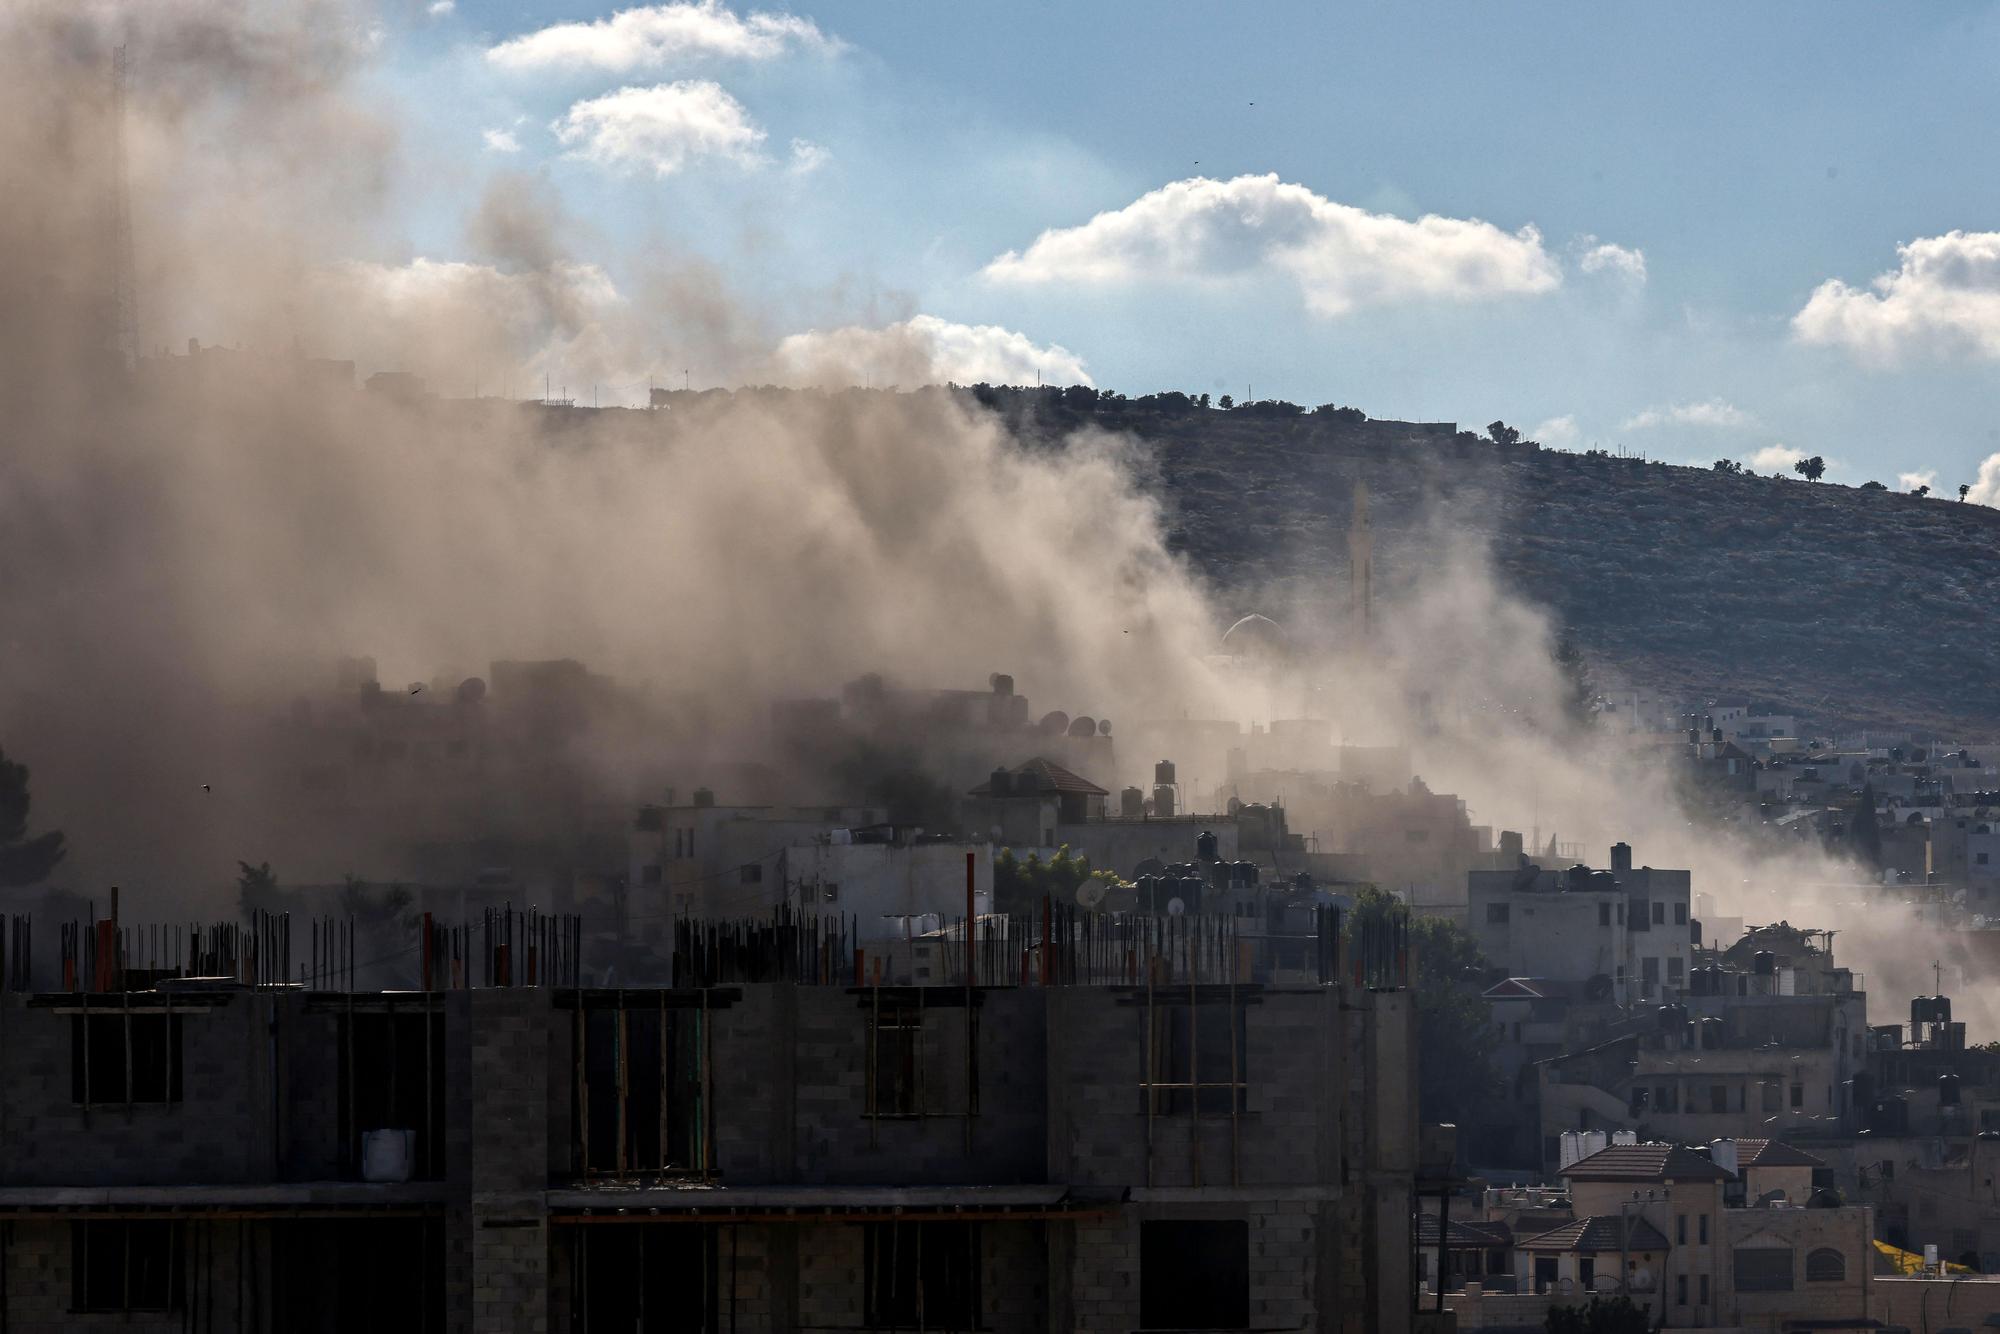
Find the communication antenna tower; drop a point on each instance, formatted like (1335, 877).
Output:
(125, 299)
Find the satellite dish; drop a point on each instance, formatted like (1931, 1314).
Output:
(471, 690)
(1104, 727)
(1090, 893)
(1176, 906)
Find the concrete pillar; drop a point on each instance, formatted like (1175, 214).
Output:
(509, 1088)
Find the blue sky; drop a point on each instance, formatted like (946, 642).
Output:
(874, 160)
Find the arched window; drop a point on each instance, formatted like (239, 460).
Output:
(1825, 1265)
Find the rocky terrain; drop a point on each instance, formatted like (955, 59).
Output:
(1862, 606)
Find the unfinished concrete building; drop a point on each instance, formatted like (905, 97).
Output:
(1099, 1123)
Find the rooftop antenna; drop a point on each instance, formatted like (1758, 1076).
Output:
(125, 335)
(687, 381)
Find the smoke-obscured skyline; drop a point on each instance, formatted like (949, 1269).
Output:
(190, 546)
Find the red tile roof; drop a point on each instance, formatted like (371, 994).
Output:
(1054, 778)
(1645, 1162)
(1772, 1153)
(1605, 1232)
(1463, 1233)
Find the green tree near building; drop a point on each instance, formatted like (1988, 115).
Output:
(1020, 883)
(24, 861)
(1603, 1315)
(1456, 1076)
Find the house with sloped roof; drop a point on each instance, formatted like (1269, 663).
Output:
(1023, 806)
(1475, 1250)
(1773, 1170)
(1589, 1254)
(1728, 1236)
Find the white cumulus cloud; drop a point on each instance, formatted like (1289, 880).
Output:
(1712, 412)
(807, 156)
(660, 129)
(1774, 458)
(924, 350)
(1339, 256)
(1986, 487)
(451, 319)
(439, 9)
(501, 141)
(1556, 432)
(1943, 297)
(653, 36)
(1620, 261)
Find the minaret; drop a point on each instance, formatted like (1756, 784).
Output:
(1361, 562)
(124, 296)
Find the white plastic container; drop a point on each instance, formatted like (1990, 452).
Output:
(387, 1155)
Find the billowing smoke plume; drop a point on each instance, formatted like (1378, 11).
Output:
(188, 544)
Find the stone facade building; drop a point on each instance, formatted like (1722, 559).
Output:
(1192, 1133)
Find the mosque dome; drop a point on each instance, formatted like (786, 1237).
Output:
(1256, 637)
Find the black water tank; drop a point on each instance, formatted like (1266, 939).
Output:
(1207, 847)
(1621, 856)
(1763, 963)
(1711, 1034)
(1947, 1090)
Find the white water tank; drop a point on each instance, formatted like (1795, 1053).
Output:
(387, 1155)
(1722, 1153)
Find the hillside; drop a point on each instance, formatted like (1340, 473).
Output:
(1869, 607)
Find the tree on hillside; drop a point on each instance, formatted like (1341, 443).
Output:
(1730, 466)
(1202, 401)
(1811, 468)
(1225, 402)
(1456, 1078)
(24, 861)
(1500, 433)
(1579, 691)
(1873, 486)
(1920, 490)
(1963, 488)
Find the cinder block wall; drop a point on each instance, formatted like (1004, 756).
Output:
(508, 1069)
(1013, 1277)
(835, 1140)
(1104, 1270)
(1098, 1127)
(41, 1283)
(220, 1132)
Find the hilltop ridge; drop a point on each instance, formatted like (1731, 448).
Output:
(1863, 606)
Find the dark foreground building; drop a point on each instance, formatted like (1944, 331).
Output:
(1156, 1125)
